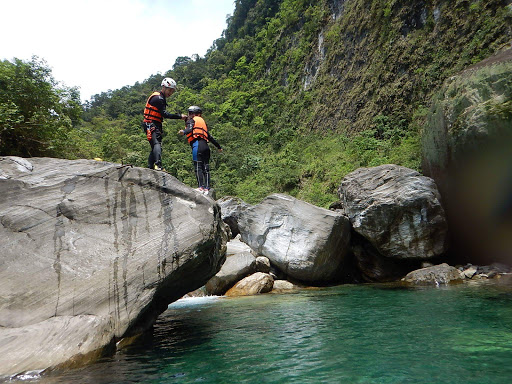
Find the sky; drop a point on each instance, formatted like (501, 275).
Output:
(98, 45)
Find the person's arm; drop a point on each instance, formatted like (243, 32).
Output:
(214, 142)
(168, 115)
(160, 104)
(189, 126)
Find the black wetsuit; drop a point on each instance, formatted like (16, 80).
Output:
(201, 155)
(155, 156)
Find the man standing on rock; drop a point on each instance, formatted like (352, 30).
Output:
(198, 136)
(154, 114)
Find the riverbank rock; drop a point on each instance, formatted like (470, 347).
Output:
(254, 284)
(397, 210)
(305, 242)
(466, 149)
(93, 252)
(231, 209)
(475, 272)
(373, 267)
(283, 286)
(262, 264)
(435, 275)
(240, 262)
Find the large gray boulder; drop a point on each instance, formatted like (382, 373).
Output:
(305, 242)
(232, 208)
(397, 210)
(93, 252)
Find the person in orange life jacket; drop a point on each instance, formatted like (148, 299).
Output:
(198, 136)
(154, 114)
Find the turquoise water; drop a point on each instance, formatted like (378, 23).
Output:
(346, 334)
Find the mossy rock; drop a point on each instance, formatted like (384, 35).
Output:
(472, 113)
(466, 149)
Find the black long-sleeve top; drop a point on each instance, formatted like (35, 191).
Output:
(160, 103)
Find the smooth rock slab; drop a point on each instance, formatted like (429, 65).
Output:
(235, 268)
(93, 252)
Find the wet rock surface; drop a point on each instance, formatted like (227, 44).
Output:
(254, 284)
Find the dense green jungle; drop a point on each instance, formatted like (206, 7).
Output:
(298, 92)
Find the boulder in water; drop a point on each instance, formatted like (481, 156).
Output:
(305, 242)
(254, 284)
(397, 210)
(435, 275)
(232, 208)
(93, 252)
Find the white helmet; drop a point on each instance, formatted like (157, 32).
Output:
(168, 83)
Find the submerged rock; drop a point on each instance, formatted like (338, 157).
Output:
(93, 252)
(305, 242)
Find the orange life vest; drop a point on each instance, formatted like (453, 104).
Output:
(151, 114)
(200, 130)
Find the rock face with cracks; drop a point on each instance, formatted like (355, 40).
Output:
(93, 252)
(397, 210)
(305, 242)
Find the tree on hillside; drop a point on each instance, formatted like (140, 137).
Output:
(36, 114)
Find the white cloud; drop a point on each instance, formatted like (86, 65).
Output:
(99, 45)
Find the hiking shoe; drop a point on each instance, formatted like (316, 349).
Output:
(157, 168)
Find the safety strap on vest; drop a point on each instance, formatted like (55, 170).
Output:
(200, 130)
(152, 114)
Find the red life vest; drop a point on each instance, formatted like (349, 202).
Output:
(200, 130)
(151, 114)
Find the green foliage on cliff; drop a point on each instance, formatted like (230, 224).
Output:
(471, 114)
(301, 92)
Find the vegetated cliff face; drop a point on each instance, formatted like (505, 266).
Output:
(289, 78)
(374, 58)
(344, 66)
(340, 63)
